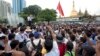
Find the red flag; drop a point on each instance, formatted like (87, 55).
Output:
(59, 8)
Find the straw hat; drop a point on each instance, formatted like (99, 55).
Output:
(28, 28)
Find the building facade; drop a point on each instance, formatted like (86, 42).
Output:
(5, 8)
(18, 6)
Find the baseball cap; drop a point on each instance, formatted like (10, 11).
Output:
(36, 34)
(60, 38)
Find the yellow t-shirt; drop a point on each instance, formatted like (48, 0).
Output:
(43, 51)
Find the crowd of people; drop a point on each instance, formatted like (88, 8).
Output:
(50, 40)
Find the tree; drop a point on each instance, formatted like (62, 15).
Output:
(47, 15)
(80, 13)
(31, 10)
(86, 13)
(86, 16)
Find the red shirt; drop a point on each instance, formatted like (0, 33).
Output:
(62, 48)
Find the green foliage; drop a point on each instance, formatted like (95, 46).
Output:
(89, 18)
(38, 13)
(31, 10)
(23, 15)
(3, 20)
(47, 15)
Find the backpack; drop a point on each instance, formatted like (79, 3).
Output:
(24, 48)
(38, 48)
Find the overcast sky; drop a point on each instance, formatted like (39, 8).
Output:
(93, 6)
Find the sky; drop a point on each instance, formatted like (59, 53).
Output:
(93, 6)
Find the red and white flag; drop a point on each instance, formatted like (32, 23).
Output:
(59, 8)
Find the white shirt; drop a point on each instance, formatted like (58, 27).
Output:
(1, 34)
(35, 41)
(54, 51)
(65, 40)
(20, 37)
(29, 18)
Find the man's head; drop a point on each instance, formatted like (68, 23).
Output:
(83, 40)
(63, 32)
(5, 30)
(31, 35)
(13, 30)
(69, 46)
(79, 31)
(11, 36)
(48, 45)
(88, 51)
(22, 29)
(36, 35)
(74, 31)
(14, 44)
(93, 30)
(8, 26)
(88, 33)
(60, 38)
(72, 37)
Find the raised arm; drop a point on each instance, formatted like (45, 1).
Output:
(51, 32)
(97, 48)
